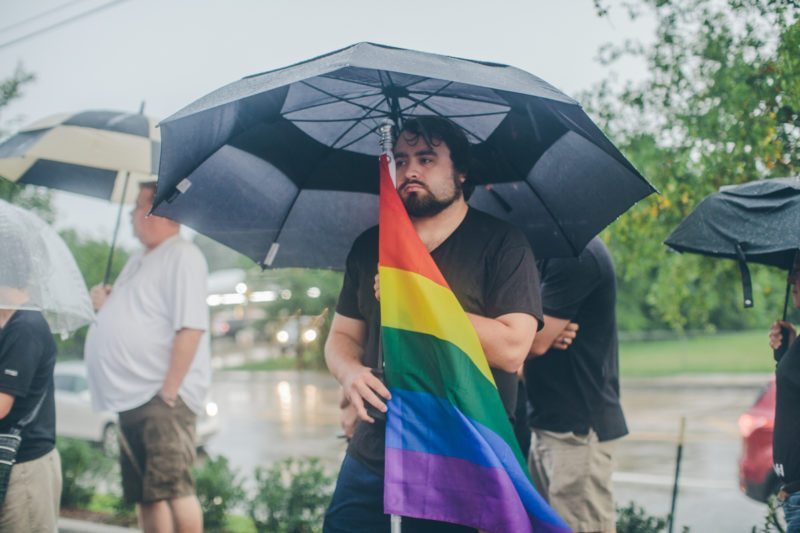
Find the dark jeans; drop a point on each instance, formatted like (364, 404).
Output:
(791, 511)
(357, 506)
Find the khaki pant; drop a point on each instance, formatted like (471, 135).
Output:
(34, 496)
(573, 473)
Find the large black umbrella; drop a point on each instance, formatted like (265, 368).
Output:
(282, 166)
(756, 222)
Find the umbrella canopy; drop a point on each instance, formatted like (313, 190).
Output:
(37, 271)
(87, 153)
(282, 166)
(757, 222)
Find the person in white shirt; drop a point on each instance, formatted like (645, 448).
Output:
(148, 359)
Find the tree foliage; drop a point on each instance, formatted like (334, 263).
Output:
(720, 105)
(37, 199)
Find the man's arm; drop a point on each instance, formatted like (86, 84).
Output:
(6, 403)
(557, 333)
(343, 351)
(506, 340)
(184, 348)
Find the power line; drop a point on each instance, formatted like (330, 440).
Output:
(60, 23)
(42, 14)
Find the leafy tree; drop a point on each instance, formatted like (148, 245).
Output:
(37, 199)
(720, 105)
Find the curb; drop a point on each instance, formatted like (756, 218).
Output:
(702, 381)
(70, 525)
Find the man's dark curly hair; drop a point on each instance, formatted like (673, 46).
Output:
(436, 130)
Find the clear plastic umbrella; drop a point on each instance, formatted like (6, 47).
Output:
(38, 272)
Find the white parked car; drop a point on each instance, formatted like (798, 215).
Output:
(76, 419)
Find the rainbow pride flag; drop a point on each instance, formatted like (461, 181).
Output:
(451, 454)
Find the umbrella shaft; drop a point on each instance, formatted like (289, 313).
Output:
(110, 261)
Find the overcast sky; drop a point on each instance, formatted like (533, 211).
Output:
(169, 52)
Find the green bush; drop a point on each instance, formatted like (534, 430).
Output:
(291, 496)
(634, 519)
(218, 490)
(772, 524)
(82, 466)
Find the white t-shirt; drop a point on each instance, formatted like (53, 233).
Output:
(129, 346)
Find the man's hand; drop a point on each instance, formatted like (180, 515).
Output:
(99, 294)
(565, 338)
(169, 398)
(361, 386)
(775, 335)
(348, 417)
(377, 287)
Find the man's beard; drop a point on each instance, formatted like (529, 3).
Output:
(428, 205)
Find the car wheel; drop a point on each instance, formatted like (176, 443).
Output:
(110, 442)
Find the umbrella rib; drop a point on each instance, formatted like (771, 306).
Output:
(429, 96)
(475, 115)
(575, 252)
(420, 79)
(332, 95)
(338, 100)
(429, 108)
(283, 223)
(472, 99)
(351, 143)
(326, 120)
(356, 122)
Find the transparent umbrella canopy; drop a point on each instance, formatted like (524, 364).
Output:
(38, 272)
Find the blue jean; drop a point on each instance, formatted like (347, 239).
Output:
(357, 506)
(791, 511)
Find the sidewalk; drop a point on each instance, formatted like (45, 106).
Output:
(704, 381)
(69, 525)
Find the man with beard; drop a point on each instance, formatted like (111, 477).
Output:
(488, 265)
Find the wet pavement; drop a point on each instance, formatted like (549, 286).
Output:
(268, 416)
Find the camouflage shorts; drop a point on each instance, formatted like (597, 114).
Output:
(157, 452)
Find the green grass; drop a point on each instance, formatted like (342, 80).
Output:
(723, 353)
(239, 524)
(279, 363)
(276, 363)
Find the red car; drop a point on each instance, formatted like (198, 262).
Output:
(757, 479)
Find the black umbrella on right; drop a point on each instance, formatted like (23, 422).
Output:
(756, 222)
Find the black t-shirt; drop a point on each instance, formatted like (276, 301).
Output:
(577, 389)
(786, 436)
(27, 358)
(489, 266)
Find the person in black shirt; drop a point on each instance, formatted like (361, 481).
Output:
(488, 265)
(573, 388)
(786, 435)
(27, 359)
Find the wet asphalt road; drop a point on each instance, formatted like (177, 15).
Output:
(268, 416)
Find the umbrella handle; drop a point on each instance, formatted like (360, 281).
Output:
(781, 350)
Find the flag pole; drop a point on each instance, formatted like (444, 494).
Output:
(387, 146)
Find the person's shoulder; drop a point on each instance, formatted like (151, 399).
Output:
(30, 324)
(495, 229)
(367, 241)
(187, 250)
(597, 252)
(29, 321)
